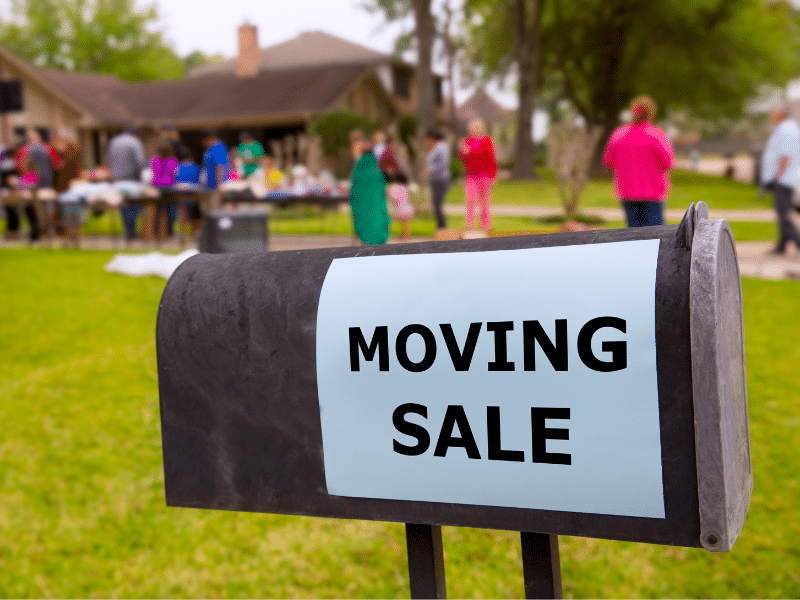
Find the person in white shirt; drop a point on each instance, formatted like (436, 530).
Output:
(780, 170)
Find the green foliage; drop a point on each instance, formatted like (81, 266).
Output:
(334, 128)
(198, 58)
(457, 169)
(99, 36)
(407, 130)
(708, 56)
(82, 510)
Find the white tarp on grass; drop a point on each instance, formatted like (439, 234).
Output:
(153, 264)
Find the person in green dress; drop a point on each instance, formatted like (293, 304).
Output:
(368, 194)
(251, 151)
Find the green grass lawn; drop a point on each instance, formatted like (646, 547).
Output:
(717, 192)
(82, 509)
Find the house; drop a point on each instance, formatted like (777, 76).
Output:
(273, 92)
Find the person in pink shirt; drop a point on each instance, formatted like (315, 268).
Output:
(164, 166)
(640, 154)
(477, 154)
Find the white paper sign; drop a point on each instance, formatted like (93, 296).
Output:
(516, 378)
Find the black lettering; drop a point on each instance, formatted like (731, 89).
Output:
(557, 354)
(455, 415)
(379, 344)
(618, 350)
(402, 350)
(540, 434)
(411, 429)
(493, 429)
(500, 328)
(461, 359)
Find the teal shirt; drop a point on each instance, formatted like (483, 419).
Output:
(368, 201)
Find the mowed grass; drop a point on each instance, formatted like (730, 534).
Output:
(82, 510)
(719, 193)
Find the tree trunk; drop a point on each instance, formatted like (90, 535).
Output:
(526, 24)
(451, 50)
(426, 109)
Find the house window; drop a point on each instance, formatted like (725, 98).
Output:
(402, 82)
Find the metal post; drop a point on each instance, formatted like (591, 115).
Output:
(541, 565)
(425, 561)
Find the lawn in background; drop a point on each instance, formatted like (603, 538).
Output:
(687, 187)
(82, 509)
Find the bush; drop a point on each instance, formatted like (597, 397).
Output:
(407, 130)
(334, 129)
(456, 168)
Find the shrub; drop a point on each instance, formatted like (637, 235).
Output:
(334, 129)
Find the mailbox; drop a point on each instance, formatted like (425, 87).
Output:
(588, 384)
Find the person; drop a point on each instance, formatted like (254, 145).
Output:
(438, 170)
(780, 168)
(37, 162)
(640, 155)
(188, 176)
(66, 144)
(477, 153)
(164, 165)
(397, 187)
(379, 144)
(126, 160)
(171, 135)
(251, 151)
(272, 177)
(367, 193)
(215, 160)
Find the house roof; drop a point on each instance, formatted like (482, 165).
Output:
(313, 48)
(481, 106)
(113, 101)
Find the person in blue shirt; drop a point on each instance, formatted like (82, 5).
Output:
(215, 160)
(188, 177)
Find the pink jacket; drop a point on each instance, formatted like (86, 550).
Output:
(640, 156)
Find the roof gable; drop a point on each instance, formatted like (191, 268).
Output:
(481, 105)
(310, 49)
(116, 102)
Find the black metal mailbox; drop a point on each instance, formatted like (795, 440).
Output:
(240, 410)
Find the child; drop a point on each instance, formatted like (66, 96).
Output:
(403, 210)
(164, 165)
(186, 178)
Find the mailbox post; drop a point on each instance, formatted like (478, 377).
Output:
(588, 384)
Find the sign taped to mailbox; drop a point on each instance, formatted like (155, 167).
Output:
(519, 378)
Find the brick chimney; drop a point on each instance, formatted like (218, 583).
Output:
(249, 57)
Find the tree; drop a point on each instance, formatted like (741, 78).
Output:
(198, 58)
(424, 34)
(101, 36)
(708, 56)
(502, 40)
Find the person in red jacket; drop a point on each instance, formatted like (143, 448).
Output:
(477, 154)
